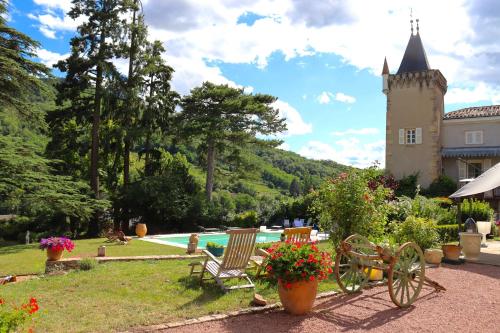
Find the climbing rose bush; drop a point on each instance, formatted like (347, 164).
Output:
(57, 244)
(290, 262)
(12, 317)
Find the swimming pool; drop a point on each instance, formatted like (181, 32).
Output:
(219, 238)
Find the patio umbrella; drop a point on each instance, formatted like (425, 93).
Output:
(488, 180)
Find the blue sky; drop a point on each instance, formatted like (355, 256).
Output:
(322, 59)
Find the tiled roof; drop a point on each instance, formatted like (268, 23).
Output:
(474, 112)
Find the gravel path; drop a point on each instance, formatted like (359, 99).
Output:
(470, 304)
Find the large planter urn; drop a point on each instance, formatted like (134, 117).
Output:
(471, 244)
(434, 256)
(141, 230)
(484, 228)
(451, 252)
(298, 299)
(54, 255)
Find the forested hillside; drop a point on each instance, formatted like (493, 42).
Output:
(94, 148)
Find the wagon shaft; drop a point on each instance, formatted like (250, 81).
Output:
(437, 287)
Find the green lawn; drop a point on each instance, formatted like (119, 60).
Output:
(28, 259)
(117, 296)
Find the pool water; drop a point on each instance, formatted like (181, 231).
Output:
(222, 239)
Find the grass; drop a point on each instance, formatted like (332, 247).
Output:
(28, 259)
(118, 296)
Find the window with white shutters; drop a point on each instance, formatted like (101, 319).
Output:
(474, 137)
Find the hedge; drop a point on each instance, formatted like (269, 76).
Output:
(447, 232)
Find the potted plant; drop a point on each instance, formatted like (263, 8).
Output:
(216, 249)
(297, 268)
(55, 247)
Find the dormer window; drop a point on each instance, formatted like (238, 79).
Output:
(474, 137)
(410, 136)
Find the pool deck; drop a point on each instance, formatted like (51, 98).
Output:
(160, 239)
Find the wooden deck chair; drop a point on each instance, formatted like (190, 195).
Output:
(302, 235)
(237, 254)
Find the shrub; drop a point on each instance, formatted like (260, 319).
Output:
(442, 186)
(407, 186)
(414, 229)
(478, 210)
(293, 262)
(87, 264)
(423, 207)
(245, 220)
(215, 245)
(244, 202)
(346, 205)
(447, 233)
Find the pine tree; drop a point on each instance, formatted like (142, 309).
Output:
(294, 188)
(19, 75)
(219, 114)
(89, 67)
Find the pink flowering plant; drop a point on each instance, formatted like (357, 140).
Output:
(57, 244)
(290, 262)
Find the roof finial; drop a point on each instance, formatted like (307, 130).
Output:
(411, 20)
(417, 26)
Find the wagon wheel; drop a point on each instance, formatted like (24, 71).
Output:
(351, 272)
(406, 275)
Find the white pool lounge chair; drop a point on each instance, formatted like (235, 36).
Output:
(237, 254)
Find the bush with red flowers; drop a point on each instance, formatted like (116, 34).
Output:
(293, 262)
(12, 317)
(57, 244)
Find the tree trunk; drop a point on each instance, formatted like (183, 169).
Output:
(132, 54)
(209, 186)
(147, 158)
(93, 229)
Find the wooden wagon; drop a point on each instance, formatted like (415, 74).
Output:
(405, 268)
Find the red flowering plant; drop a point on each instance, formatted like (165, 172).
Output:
(290, 262)
(57, 244)
(12, 317)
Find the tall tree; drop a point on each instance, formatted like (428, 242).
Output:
(220, 114)
(294, 188)
(87, 68)
(135, 42)
(161, 100)
(19, 74)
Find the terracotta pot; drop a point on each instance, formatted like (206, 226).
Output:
(299, 299)
(54, 255)
(471, 244)
(141, 230)
(451, 252)
(433, 256)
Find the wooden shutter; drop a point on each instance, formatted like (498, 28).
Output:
(478, 137)
(418, 135)
(401, 136)
(462, 170)
(469, 138)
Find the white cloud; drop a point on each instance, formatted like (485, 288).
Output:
(360, 131)
(477, 93)
(324, 97)
(202, 32)
(47, 32)
(341, 97)
(65, 5)
(49, 58)
(284, 146)
(294, 122)
(349, 151)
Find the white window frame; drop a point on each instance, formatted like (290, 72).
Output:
(410, 136)
(473, 137)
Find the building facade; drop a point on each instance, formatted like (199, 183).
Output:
(421, 138)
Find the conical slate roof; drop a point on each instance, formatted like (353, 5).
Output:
(385, 70)
(415, 59)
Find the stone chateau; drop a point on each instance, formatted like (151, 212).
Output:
(421, 138)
